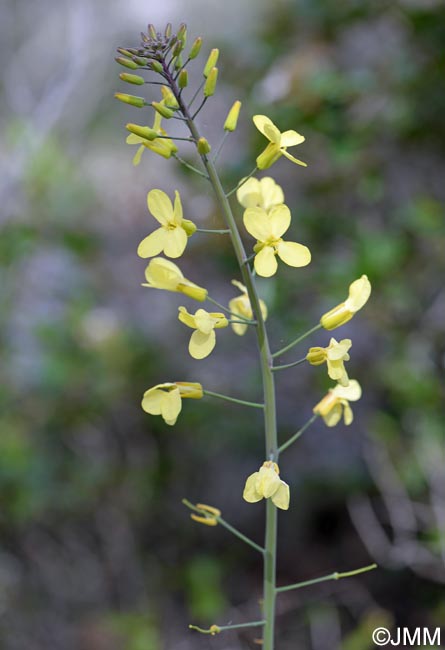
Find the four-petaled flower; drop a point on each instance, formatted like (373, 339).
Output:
(336, 403)
(265, 484)
(264, 193)
(278, 142)
(241, 306)
(335, 355)
(203, 340)
(163, 274)
(359, 292)
(267, 228)
(171, 237)
(166, 399)
(162, 146)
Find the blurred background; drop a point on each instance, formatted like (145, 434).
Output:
(96, 550)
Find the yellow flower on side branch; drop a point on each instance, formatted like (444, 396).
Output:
(264, 193)
(267, 228)
(203, 340)
(166, 399)
(359, 292)
(336, 403)
(163, 274)
(278, 142)
(209, 515)
(241, 306)
(335, 355)
(162, 146)
(265, 484)
(171, 237)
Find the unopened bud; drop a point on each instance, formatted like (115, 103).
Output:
(211, 62)
(121, 50)
(168, 97)
(132, 79)
(203, 146)
(183, 79)
(139, 102)
(182, 32)
(152, 32)
(232, 117)
(168, 30)
(210, 84)
(178, 49)
(140, 60)
(156, 67)
(142, 131)
(192, 291)
(127, 63)
(188, 226)
(178, 62)
(196, 48)
(163, 110)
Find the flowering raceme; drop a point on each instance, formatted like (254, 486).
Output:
(240, 305)
(203, 340)
(336, 403)
(264, 193)
(163, 274)
(359, 292)
(166, 399)
(335, 355)
(171, 237)
(267, 228)
(278, 142)
(265, 484)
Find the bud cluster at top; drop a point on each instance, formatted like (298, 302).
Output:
(156, 45)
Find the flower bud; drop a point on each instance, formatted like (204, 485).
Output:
(189, 227)
(183, 79)
(210, 84)
(178, 62)
(211, 62)
(139, 102)
(232, 117)
(157, 67)
(203, 146)
(168, 30)
(182, 33)
(132, 79)
(168, 97)
(163, 110)
(196, 48)
(126, 63)
(152, 32)
(140, 60)
(142, 131)
(125, 52)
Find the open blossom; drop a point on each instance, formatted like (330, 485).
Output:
(265, 484)
(359, 292)
(241, 306)
(267, 228)
(166, 399)
(162, 146)
(163, 274)
(336, 403)
(203, 340)
(264, 193)
(171, 237)
(335, 355)
(278, 142)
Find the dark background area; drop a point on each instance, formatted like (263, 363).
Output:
(96, 550)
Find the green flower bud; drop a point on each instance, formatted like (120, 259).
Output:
(232, 117)
(152, 32)
(126, 63)
(183, 79)
(188, 226)
(211, 62)
(142, 131)
(132, 78)
(156, 67)
(168, 30)
(163, 110)
(140, 60)
(139, 102)
(210, 84)
(182, 34)
(121, 50)
(196, 48)
(203, 146)
(178, 62)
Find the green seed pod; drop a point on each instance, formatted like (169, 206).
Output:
(203, 146)
(132, 78)
(156, 67)
(196, 48)
(126, 63)
(142, 131)
(232, 117)
(183, 79)
(163, 110)
(139, 102)
(211, 62)
(210, 84)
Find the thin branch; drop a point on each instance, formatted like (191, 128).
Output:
(233, 399)
(289, 365)
(300, 338)
(331, 576)
(241, 183)
(300, 432)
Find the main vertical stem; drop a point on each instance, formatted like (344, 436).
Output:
(270, 426)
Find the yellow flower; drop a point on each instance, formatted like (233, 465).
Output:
(335, 355)
(171, 237)
(267, 228)
(203, 340)
(209, 515)
(336, 403)
(267, 484)
(264, 193)
(166, 399)
(162, 146)
(359, 292)
(278, 142)
(163, 274)
(242, 307)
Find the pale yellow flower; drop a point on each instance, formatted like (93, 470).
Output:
(336, 403)
(203, 340)
(209, 515)
(359, 292)
(264, 193)
(265, 484)
(278, 142)
(171, 237)
(335, 355)
(166, 399)
(163, 274)
(162, 146)
(242, 307)
(267, 228)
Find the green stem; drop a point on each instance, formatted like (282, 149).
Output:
(193, 169)
(295, 437)
(238, 534)
(331, 576)
(220, 628)
(247, 321)
(255, 405)
(300, 338)
(289, 365)
(242, 181)
(225, 231)
(243, 322)
(198, 90)
(220, 146)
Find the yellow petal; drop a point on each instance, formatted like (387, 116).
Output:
(339, 350)
(282, 496)
(249, 194)
(153, 244)
(280, 219)
(265, 262)
(263, 123)
(177, 211)
(175, 242)
(134, 139)
(163, 274)
(294, 254)
(171, 406)
(333, 416)
(250, 493)
(268, 482)
(271, 193)
(291, 138)
(160, 206)
(137, 156)
(204, 321)
(186, 318)
(359, 292)
(257, 223)
(294, 160)
(201, 344)
(348, 415)
(352, 392)
(151, 402)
